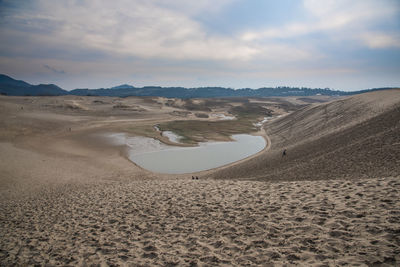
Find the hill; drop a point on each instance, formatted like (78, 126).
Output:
(209, 92)
(9, 86)
(356, 137)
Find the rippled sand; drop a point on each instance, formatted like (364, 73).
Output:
(204, 223)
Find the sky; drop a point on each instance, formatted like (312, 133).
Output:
(340, 44)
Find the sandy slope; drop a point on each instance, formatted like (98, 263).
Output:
(66, 199)
(357, 137)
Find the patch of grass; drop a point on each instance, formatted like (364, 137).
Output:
(201, 115)
(194, 131)
(144, 130)
(192, 105)
(251, 111)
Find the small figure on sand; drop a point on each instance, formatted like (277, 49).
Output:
(197, 177)
(284, 153)
(192, 177)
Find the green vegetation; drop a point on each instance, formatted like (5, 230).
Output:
(192, 105)
(201, 115)
(144, 130)
(194, 131)
(251, 111)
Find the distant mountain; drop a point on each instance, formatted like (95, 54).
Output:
(9, 86)
(210, 92)
(122, 86)
(8, 81)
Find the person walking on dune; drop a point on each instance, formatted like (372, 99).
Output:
(284, 153)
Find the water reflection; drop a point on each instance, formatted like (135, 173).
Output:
(155, 156)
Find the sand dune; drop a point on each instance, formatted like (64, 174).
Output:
(205, 222)
(68, 199)
(355, 137)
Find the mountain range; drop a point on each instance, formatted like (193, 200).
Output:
(12, 87)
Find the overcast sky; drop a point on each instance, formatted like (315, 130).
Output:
(341, 44)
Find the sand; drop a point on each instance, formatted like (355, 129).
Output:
(205, 223)
(352, 138)
(68, 199)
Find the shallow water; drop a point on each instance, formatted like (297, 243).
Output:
(155, 156)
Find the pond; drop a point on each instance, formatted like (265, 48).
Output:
(155, 156)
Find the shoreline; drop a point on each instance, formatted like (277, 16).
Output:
(125, 148)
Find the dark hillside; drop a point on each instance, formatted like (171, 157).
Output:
(9, 86)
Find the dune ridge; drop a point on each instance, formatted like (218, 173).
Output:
(356, 137)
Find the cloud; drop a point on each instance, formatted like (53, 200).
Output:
(377, 40)
(151, 29)
(339, 19)
(174, 40)
(147, 29)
